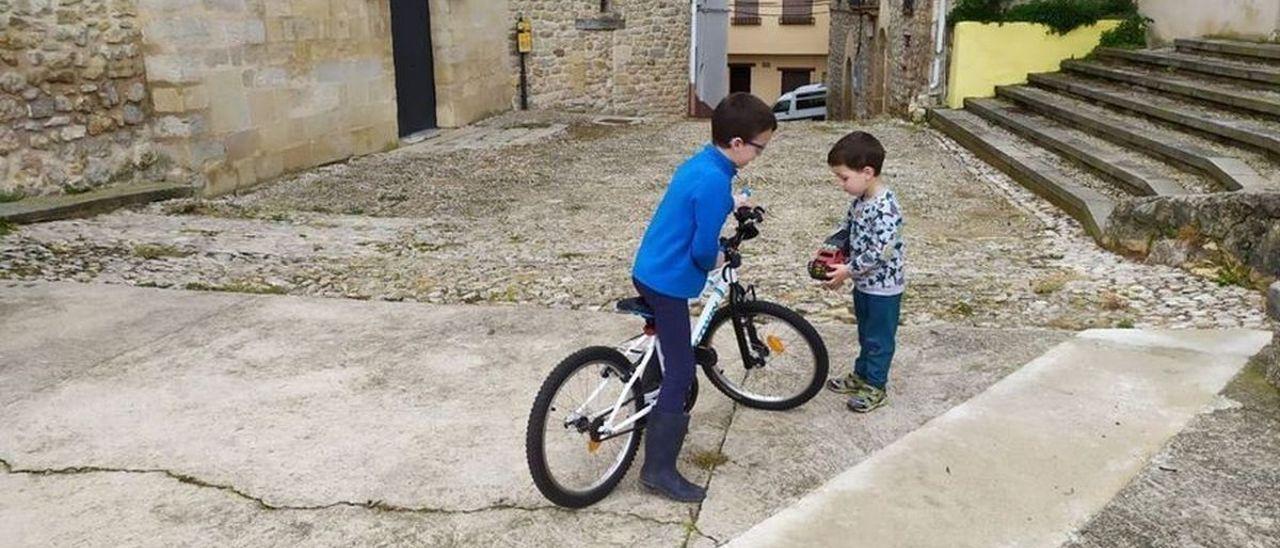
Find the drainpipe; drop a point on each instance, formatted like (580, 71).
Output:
(939, 46)
(693, 56)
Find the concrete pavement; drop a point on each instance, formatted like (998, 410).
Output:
(1031, 459)
(144, 417)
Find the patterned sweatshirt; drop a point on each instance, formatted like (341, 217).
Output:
(871, 235)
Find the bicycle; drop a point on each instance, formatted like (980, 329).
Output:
(586, 422)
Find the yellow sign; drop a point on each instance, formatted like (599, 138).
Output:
(524, 36)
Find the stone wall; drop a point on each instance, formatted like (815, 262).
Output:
(631, 59)
(245, 90)
(1232, 235)
(888, 52)
(1241, 19)
(1271, 355)
(471, 43)
(73, 98)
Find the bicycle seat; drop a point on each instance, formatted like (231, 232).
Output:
(637, 306)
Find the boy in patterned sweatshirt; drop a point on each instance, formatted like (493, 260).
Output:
(871, 236)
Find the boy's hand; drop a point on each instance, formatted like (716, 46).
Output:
(839, 274)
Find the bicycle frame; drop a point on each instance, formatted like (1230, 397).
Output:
(720, 285)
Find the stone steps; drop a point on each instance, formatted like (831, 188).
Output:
(1231, 172)
(1202, 118)
(1135, 178)
(1178, 86)
(52, 208)
(1205, 65)
(1239, 131)
(1088, 206)
(1252, 50)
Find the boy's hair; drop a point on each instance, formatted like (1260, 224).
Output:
(741, 115)
(856, 151)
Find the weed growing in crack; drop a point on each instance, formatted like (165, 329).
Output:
(159, 251)
(709, 459)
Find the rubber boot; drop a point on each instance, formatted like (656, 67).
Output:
(664, 436)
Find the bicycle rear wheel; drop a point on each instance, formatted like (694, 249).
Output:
(794, 358)
(571, 466)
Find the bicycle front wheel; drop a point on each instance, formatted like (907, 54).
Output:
(569, 462)
(787, 361)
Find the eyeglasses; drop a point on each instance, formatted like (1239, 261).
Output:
(758, 146)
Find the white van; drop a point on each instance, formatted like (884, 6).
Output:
(804, 103)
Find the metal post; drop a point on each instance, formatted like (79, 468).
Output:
(524, 83)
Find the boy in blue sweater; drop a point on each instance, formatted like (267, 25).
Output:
(680, 248)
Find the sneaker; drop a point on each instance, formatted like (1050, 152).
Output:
(848, 384)
(868, 399)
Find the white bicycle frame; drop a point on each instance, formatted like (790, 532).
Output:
(640, 350)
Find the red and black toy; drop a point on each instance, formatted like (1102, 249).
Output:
(828, 258)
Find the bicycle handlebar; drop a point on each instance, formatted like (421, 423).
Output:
(747, 218)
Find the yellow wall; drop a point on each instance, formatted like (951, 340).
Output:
(984, 56)
(766, 81)
(771, 38)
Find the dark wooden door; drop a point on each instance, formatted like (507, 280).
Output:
(794, 78)
(739, 78)
(415, 70)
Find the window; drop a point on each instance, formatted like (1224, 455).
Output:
(746, 12)
(793, 78)
(782, 107)
(811, 101)
(797, 12)
(739, 78)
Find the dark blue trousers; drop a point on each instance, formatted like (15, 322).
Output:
(671, 318)
(877, 331)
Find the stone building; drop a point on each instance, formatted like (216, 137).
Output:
(883, 57)
(75, 111)
(618, 56)
(229, 93)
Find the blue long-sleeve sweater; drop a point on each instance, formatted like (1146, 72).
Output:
(682, 243)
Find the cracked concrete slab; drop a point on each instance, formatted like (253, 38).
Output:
(153, 510)
(181, 417)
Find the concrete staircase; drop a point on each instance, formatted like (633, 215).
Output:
(1202, 116)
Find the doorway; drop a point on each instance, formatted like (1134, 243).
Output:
(415, 68)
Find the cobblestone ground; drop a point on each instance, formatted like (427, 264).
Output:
(548, 210)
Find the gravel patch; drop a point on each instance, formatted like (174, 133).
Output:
(555, 223)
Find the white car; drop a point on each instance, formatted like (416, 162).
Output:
(804, 103)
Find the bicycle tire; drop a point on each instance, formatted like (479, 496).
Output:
(806, 330)
(535, 432)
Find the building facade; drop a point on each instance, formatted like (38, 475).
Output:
(226, 94)
(885, 57)
(775, 47)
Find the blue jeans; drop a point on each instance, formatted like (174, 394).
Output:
(671, 319)
(877, 330)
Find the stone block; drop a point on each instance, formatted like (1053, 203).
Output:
(134, 115)
(195, 97)
(297, 157)
(171, 69)
(136, 93)
(269, 166)
(42, 107)
(241, 145)
(166, 100)
(1273, 301)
